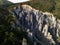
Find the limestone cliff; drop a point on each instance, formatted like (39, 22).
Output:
(42, 27)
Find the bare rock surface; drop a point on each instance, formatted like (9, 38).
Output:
(41, 27)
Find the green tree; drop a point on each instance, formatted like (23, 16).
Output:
(9, 35)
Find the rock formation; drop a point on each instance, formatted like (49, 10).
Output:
(42, 27)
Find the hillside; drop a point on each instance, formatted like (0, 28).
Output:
(43, 26)
(43, 5)
(52, 6)
(35, 21)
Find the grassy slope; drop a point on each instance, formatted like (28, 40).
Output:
(57, 9)
(52, 6)
(43, 5)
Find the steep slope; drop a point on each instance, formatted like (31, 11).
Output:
(42, 27)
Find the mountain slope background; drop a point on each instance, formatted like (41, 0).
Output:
(52, 6)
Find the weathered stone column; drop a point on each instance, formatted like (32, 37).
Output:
(24, 42)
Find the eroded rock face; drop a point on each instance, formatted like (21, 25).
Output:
(41, 27)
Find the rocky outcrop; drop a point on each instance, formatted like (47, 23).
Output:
(42, 27)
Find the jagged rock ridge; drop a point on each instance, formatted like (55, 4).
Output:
(42, 27)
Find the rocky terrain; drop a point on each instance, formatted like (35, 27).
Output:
(42, 27)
